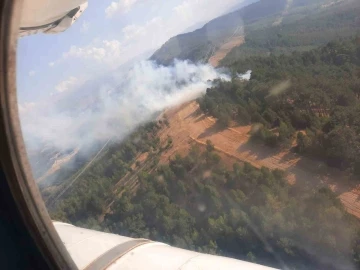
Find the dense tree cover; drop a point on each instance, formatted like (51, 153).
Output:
(299, 31)
(245, 213)
(316, 92)
(251, 214)
(198, 45)
(304, 24)
(93, 189)
(270, 27)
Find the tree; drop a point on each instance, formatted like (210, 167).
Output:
(243, 116)
(342, 147)
(303, 143)
(270, 116)
(209, 146)
(284, 132)
(224, 120)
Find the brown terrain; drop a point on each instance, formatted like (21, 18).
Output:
(57, 165)
(224, 49)
(188, 123)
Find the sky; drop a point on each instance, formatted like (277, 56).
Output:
(107, 35)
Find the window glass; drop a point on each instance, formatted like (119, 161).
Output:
(225, 127)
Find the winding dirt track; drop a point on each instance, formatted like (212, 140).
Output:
(225, 49)
(187, 123)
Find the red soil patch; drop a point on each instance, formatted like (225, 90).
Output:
(188, 124)
(225, 49)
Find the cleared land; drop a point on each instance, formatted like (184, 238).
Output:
(188, 124)
(225, 49)
(57, 165)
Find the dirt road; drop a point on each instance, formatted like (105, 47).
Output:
(225, 49)
(57, 165)
(188, 123)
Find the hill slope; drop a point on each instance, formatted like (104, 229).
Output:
(196, 182)
(300, 31)
(197, 45)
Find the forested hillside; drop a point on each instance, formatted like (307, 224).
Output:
(252, 214)
(303, 96)
(301, 30)
(276, 26)
(89, 194)
(245, 213)
(311, 96)
(194, 202)
(198, 44)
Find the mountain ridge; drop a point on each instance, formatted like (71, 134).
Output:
(195, 45)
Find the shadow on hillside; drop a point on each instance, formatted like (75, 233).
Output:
(215, 128)
(318, 174)
(194, 114)
(258, 150)
(304, 169)
(311, 182)
(290, 157)
(305, 183)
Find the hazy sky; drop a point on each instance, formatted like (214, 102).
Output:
(107, 35)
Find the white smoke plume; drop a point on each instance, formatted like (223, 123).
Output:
(114, 107)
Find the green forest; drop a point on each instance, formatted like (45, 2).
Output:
(304, 25)
(92, 191)
(301, 91)
(303, 29)
(312, 97)
(252, 214)
(245, 213)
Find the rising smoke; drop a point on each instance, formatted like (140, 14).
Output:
(115, 107)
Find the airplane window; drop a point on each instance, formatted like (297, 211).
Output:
(227, 128)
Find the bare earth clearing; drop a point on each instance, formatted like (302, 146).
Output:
(225, 49)
(187, 123)
(57, 165)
